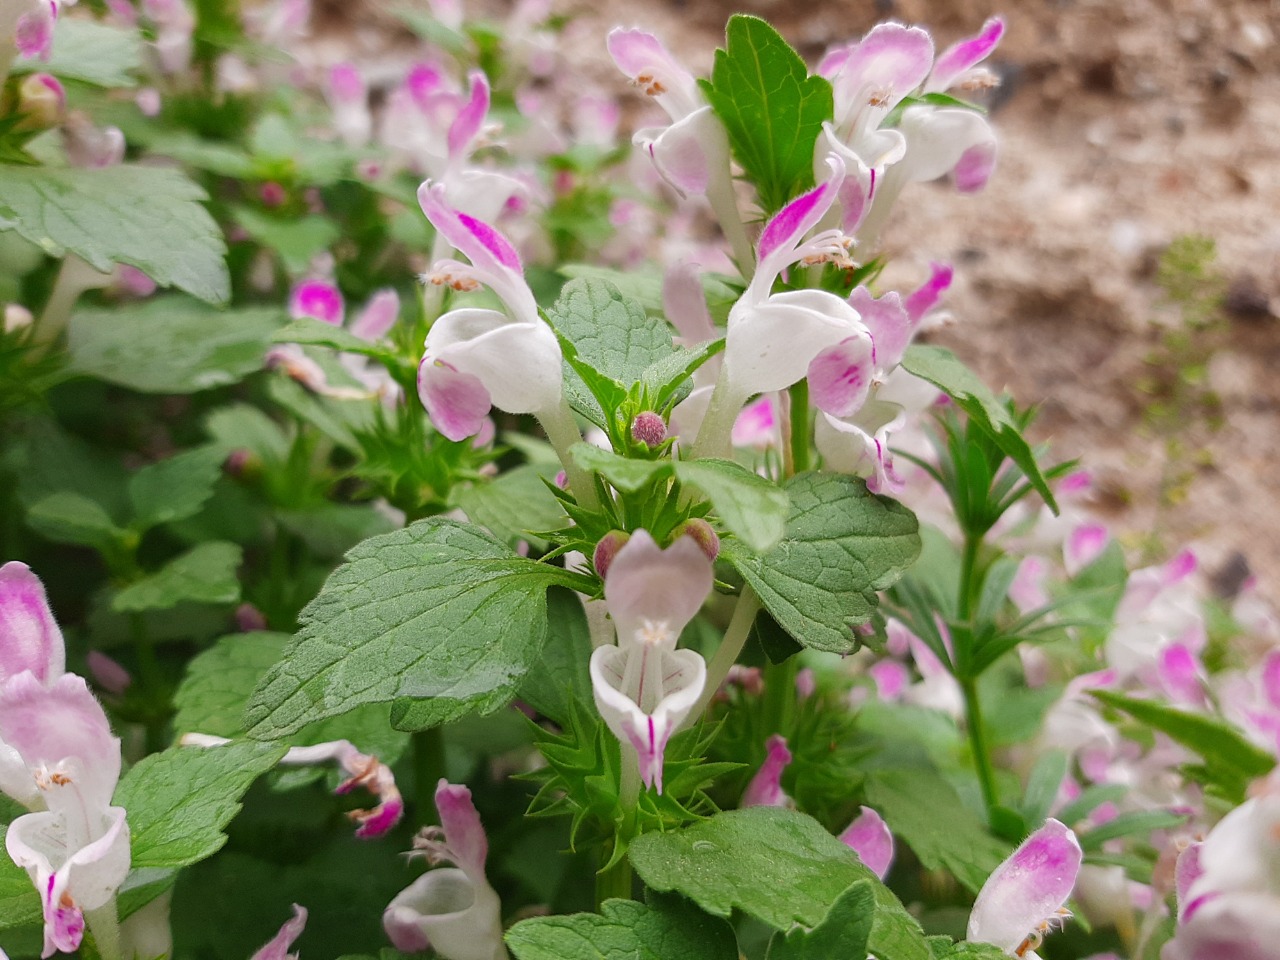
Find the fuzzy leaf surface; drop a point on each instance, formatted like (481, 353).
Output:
(842, 544)
(610, 332)
(148, 217)
(179, 800)
(204, 574)
(748, 505)
(440, 617)
(625, 930)
(777, 865)
(842, 933)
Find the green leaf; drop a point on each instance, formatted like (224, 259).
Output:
(514, 506)
(148, 217)
(629, 476)
(313, 332)
(1140, 823)
(610, 332)
(219, 680)
(1231, 761)
(909, 801)
(625, 930)
(91, 52)
(670, 379)
(170, 344)
(296, 240)
(842, 933)
(749, 506)
(777, 865)
(944, 370)
(19, 902)
(204, 574)
(440, 616)
(176, 488)
(560, 676)
(179, 800)
(842, 544)
(71, 518)
(772, 109)
(331, 529)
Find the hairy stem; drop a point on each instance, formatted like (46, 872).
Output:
(105, 927)
(74, 278)
(799, 420)
(978, 744)
(562, 432)
(726, 655)
(715, 436)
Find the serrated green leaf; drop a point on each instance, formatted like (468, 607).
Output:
(610, 332)
(312, 332)
(626, 475)
(944, 370)
(749, 506)
(176, 488)
(91, 52)
(297, 240)
(19, 902)
(148, 217)
(625, 930)
(909, 801)
(841, 545)
(772, 109)
(204, 574)
(179, 800)
(1231, 761)
(241, 426)
(776, 865)
(439, 615)
(842, 933)
(670, 379)
(171, 344)
(219, 680)
(67, 517)
(514, 506)
(560, 676)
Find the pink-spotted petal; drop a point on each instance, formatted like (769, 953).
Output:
(378, 316)
(649, 585)
(840, 376)
(1028, 889)
(470, 119)
(456, 402)
(788, 226)
(463, 831)
(33, 34)
(869, 837)
(277, 948)
(319, 300)
(920, 301)
(483, 245)
(757, 424)
(959, 57)
(887, 321)
(29, 636)
(765, 788)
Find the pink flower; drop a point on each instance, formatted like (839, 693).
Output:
(278, 946)
(765, 788)
(869, 837)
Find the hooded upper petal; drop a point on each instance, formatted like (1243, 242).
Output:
(1024, 894)
(448, 911)
(648, 586)
(29, 636)
(869, 837)
(962, 56)
(277, 948)
(765, 788)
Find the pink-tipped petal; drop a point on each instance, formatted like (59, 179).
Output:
(840, 376)
(1084, 545)
(29, 636)
(785, 230)
(1180, 672)
(319, 300)
(1027, 590)
(466, 126)
(890, 678)
(959, 57)
(650, 589)
(926, 297)
(975, 166)
(277, 948)
(33, 34)
(892, 58)
(456, 402)
(757, 424)
(1271, 679)
(468, 843)
(889, 323)
(1187, 871)
(765, 788)
(1028, 889)
(378, 316)
(869, 837)
(483, 245)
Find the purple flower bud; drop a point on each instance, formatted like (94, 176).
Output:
(703, 534)
(607, 549)
(272, 194)
(249, 618)
(649, 428)
(41, 101)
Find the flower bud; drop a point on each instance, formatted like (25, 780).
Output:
(703, 534)
(649, 428)
(41, 101)
(16, 317)
(607, 549)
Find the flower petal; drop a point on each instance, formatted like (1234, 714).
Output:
(649, 585)
(277, 948)
(888, 322)
(869, 837)
(468, 843)
(959, 57)
(840, 376)
(29, 636)
(926, 297)
(456, 402)
(446, 910)
(378, 316)
(1027, 889)
(318, 299)
(765, 788)
(788, 226)
(466, 126)
(771, 344)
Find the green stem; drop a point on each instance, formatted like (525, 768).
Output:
(428, 769)
(152, 681)
(74, 278)
(615, 882)
(726, 655)
(968, 575)
(715, 436)
(799, 427)
(562, 431)
(724, 204)
(978, 744)
(105, 927)
(779, 699)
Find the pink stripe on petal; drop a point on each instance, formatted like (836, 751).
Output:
(466, 126)
(1271, 678)
(888, 322)
(926, 297)
(1179, 568)
(869, 837)
(1180, 672)
(1084, 545)
(797, 218)
(1079, 482)
(959, 57)
(456, 402)
(463, 831)
(840, 376)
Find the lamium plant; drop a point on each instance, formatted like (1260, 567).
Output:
(394, 460)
